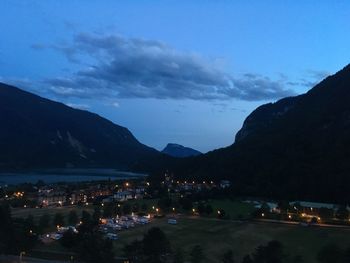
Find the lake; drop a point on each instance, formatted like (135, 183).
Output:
(72, 175)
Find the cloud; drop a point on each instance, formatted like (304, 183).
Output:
(115, 66)
(116, 104)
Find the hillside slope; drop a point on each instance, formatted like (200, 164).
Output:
(40, 133)
(298, 147)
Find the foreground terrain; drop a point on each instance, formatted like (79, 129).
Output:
(217, 236)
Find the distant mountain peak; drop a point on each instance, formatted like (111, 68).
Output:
(177, 150)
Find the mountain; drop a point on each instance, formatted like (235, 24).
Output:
(296, 148)
(177, 150)
(40, 133)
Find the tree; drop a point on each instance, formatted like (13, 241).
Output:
(247, 259)
(325, 213)
(201, 208)
(284, 206)
(96, 216)
(271, 253)
(44, 221)
(196, 254)
(136, 208)
(144, 207)
(155, 245)
(228, 257)
(93, 248)
(134, 251)
(58, 219)
(86, 225)
(29, 224)
(164, 203)
(342, 213)
(221, 213)
(109, 210)
(69, 239)
(73, 218)
(179, 256)
(126, 209)
(7, 238)
(186, 203)
(85, 217)
(209, 209)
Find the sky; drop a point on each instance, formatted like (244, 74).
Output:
(186, 72)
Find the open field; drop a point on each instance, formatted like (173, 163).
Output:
(216, 236)
(234, 209)
(38, 212)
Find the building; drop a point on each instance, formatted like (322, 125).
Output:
(123, 196)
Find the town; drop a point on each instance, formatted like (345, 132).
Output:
(52, 212)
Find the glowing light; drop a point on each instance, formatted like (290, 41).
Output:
(219, 212)
(173, 208)
(193, 210)
(157, 210)
(262, 214)
(289, 216)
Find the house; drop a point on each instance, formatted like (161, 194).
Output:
(123, 196)
(314, 205)
(51, 197)
(225, 183)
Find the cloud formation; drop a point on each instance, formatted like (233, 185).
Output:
(115, 66)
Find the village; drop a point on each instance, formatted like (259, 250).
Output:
(124, 209)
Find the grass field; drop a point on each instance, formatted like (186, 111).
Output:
(235, 209)
(37, 212)
(217, 236)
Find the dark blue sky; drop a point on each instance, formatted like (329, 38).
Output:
(187, 72)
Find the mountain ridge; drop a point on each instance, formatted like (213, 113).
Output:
(179, 151)
(38, 132)
(296, 148)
